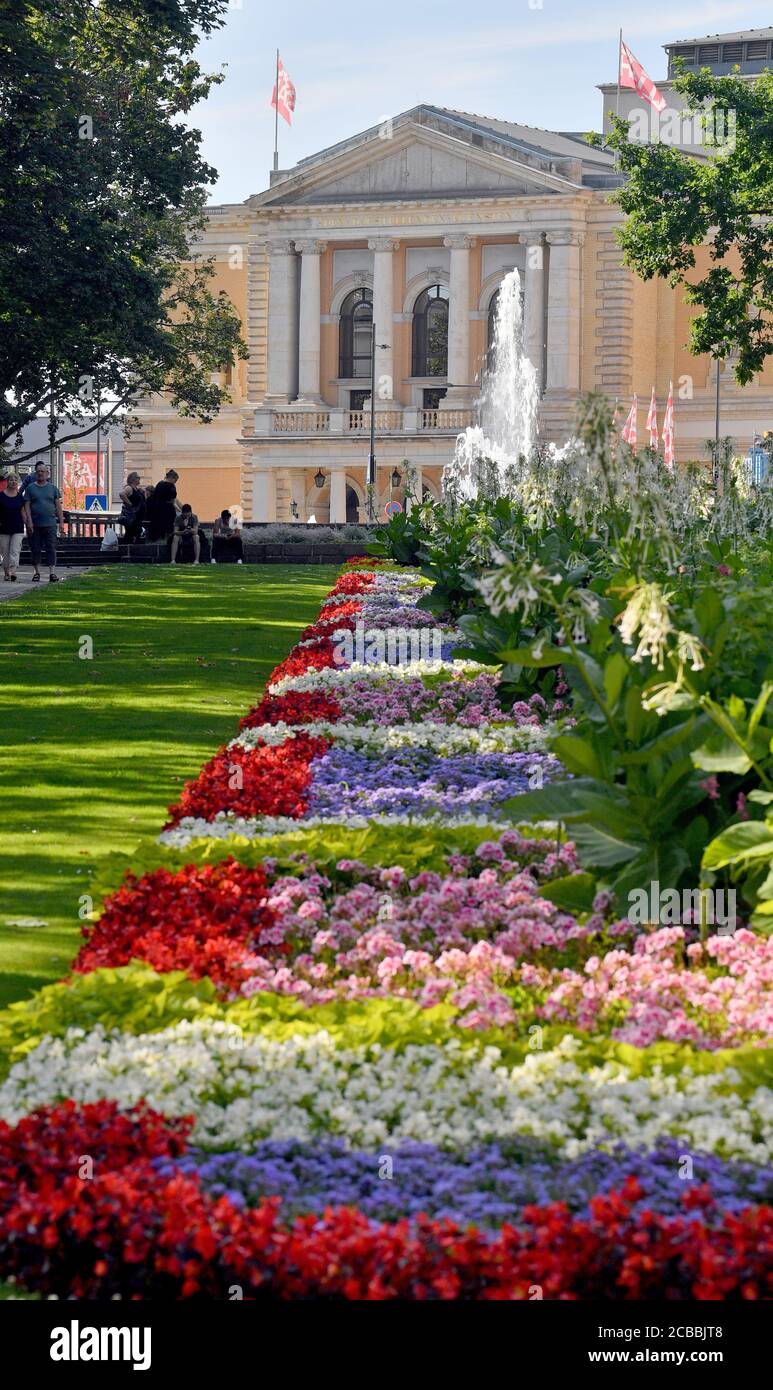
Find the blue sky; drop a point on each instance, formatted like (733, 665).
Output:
(354, 64)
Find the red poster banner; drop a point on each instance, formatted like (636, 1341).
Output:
(79, 475)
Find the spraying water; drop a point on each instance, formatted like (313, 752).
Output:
(486, 455)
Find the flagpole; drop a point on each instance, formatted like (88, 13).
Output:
(276, 115)
(619, 59)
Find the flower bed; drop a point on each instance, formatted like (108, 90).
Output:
(339, 1037)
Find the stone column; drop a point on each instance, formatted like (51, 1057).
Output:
(564, 310)
(534, 304)
(383, 248)
(309, 321)
(264, 495)
(338, 494)
(282, 323)
(459, 321)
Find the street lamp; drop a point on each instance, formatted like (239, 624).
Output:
(371, 474)
(396, 479)
(319, 478)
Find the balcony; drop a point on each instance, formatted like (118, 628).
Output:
(302, 421)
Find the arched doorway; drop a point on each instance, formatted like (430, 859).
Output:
(352, 505)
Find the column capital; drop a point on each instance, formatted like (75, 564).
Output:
(459, 241)
(283, 246)
(531, 238)
(310, 247)
(565, 236)
(383, 243)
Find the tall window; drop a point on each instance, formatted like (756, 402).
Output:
(490, 339)
(355, 334)
(430, 332)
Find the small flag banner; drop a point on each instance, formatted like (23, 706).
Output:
(630, 433)
(668, 429)
(632, 74)
(652, 421)
(283, 95)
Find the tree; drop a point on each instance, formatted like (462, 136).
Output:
(102, 191)
(676, 202)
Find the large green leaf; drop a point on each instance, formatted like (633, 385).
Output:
(752, 839)
(615, 673)
(578, 754)
(662, 863)
(602, 846)
(665, 742)
(760, 706)
(709, 613)
(574, 893)
(721, 754)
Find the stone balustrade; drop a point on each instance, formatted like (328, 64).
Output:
(335, 421)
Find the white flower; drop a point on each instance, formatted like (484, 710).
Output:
(688, 648)
(244, 1087)
(443, 739)
(647, 613)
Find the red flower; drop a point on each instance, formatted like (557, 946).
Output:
(294, 707)
(200, 919)
(139, 1228)
(303, 659)
(270, 780)
(357, 583)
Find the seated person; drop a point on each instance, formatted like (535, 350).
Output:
(226, 540)
(186, 524)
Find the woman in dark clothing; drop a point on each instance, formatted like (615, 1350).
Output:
(161, 509)
(14, 516)
(133, 508)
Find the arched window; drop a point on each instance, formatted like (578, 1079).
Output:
(430, 332)
(492, 324)
(355, 334)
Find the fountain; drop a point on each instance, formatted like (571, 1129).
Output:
(486, 457)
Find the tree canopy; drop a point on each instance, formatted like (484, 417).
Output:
(724, 198)
(102, 191)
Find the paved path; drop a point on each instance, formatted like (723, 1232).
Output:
(24, 582)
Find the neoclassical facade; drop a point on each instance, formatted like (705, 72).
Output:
(412, 226)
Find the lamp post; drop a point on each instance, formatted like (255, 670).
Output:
(719, 356)
(371, 473)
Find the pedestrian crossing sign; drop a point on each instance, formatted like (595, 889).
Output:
(96, 501)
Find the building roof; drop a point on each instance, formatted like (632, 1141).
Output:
(564, 158)
(534, 137)
(739, 36)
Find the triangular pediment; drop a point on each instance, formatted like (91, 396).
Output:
(410, 159)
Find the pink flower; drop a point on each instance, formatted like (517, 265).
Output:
(711, 787)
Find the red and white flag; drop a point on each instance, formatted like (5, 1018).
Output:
(284, 99)
(668, 429)
(632, 74)
(652, 421)
(630, 433)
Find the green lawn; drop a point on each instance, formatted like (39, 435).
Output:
(93, 751)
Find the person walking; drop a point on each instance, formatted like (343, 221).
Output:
(187, 524)
(44, 501)
(161, 507)
(132, 509)
(14, 516)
